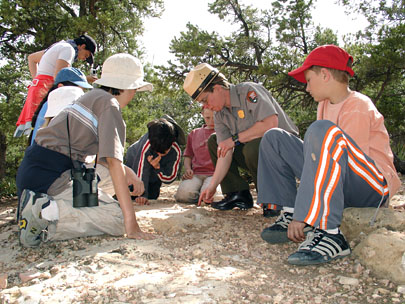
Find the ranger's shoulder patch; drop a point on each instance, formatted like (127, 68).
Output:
(251, 96)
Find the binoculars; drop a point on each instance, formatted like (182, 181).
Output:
(85, 193)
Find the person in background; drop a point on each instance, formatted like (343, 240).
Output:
(44, 66)
(243, 112)
(68, 86)
(155, 157)
(198, 167)
(344, 161)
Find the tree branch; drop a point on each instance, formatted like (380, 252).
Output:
(67, 8)
(381, 91)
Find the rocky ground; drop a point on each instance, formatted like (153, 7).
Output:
(200, 255)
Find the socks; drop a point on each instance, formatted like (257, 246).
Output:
(333, 231)
(330, 231)
(288, 209)
(51, 212)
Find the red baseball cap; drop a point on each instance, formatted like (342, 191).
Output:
(328, 56)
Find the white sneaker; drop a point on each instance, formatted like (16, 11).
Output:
(30, 222)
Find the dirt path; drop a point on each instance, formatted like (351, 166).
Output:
(200, 256)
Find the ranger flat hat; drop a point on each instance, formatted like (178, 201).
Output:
(198, 79)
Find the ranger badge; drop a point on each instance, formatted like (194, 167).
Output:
(251, 96)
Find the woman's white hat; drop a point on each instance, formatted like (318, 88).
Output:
(123, 71)
(61, 97)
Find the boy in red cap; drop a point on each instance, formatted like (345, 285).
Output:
(344, 161)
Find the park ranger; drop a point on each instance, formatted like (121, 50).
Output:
(243, 113)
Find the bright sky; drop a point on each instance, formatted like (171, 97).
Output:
(159, 32)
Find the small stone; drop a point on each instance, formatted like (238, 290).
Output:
(28, 276)
(3, 280)
(197, 252)
(358, 268)
(401, 289)
(383, 291)
(264, 298)
(348, 281)
(278, 299)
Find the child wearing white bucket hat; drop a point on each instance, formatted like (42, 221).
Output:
(91, 126)
(71, 81)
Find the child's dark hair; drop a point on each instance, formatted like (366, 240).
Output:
(112, 91)
(162, 134)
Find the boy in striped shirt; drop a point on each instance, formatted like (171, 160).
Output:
(155, 157)
(344, 161)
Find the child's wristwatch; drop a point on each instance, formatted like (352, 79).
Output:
(235, 139)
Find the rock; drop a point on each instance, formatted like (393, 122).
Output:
(28, 276)
(3, 280)
(182, 222)
(383, 291)
(383, 252)
(401, 289)
(357, 220)
(348, 281)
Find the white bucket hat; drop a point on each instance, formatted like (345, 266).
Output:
(123, 71)
(61, 97)
(199, 78)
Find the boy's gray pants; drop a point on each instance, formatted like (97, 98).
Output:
(334, 174)
(107, 218)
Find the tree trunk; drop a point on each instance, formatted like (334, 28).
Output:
(399, 164)
(3, 148)
(83, 10)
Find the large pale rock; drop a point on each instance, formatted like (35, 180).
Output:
(178, 220)
(383, 252)
(357, 220)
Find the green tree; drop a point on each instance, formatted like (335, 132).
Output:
(11, 96)
(264, 46)
(31, 25)
(380, 61)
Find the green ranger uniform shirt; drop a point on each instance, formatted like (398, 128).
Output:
(250, 103)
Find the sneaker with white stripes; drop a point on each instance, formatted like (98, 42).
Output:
(320, 247)
(277, 233)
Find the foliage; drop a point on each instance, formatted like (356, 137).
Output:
(263, 47)
(380, 63)
(266, 44)
(11, 97)
(29, 26)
